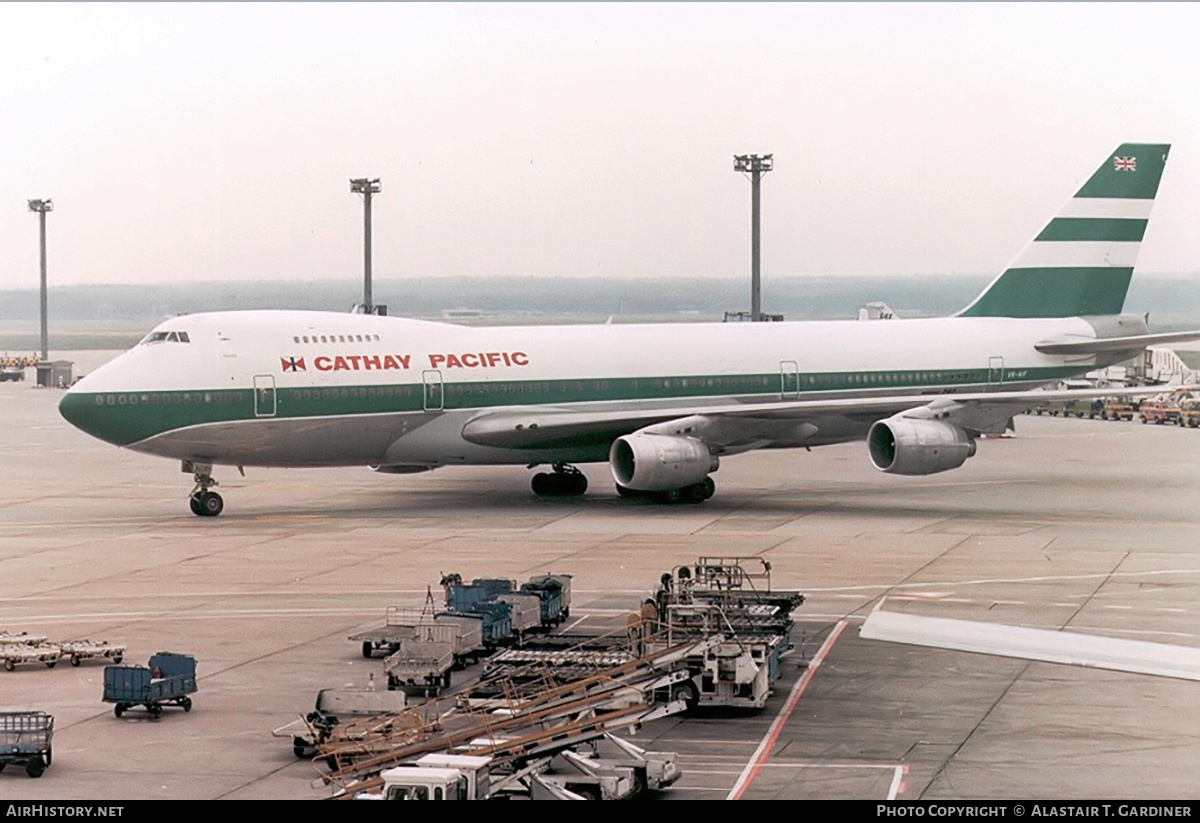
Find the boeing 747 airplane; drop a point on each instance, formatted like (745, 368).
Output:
(662, 404)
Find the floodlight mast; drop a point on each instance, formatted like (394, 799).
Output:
(366, 187)
(42, 207)
(757, 165)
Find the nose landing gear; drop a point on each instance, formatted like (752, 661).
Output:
(204, 503)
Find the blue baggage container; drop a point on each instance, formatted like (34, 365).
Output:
(167, 680)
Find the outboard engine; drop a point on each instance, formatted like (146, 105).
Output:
(903, 445)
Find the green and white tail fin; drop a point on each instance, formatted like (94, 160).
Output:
(1081, 262)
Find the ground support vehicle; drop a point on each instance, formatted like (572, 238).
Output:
(497, 622)
(26, 739)
(7, 637)
(1076, 407)
(420, 667)
(1119, 407)
(166, 680)
(80, 650)
(621, 771)
(468, 643)
(15, 654)
(461, 596)
(730, 598)
(333, 710)
(1189, 412)
(1159, 410)
(525, 613)
(554, 592)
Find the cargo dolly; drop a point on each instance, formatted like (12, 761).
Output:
(166, 680)
(25, 739)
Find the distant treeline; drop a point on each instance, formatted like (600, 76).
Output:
(1172, 300)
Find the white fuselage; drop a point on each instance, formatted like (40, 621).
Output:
(289, 388)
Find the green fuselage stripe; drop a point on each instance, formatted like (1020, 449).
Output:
(129, 417)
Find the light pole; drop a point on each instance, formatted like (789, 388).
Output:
(757, 165)
(366, 187)
(41, 207)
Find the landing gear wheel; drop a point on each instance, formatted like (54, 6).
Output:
(207, 504)
(368, 648)
(564, 481)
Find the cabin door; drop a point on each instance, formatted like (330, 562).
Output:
(264, 395)
(789, 379)
(432, 378)
(995, 371)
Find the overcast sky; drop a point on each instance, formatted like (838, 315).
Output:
(216, 140)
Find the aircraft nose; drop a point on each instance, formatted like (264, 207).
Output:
(89, 412)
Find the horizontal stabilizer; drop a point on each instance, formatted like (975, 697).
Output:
(1138, 656)
(1093, 345)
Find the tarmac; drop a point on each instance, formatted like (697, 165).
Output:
(1075, 525)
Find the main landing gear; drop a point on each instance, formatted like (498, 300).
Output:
(695, 493)
(204, 503)
(565, 481)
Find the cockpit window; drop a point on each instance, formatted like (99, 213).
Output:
(169, 336)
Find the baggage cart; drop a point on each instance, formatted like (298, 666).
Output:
(167, 680)
(25, 740)
(15, 653)
(80, 650)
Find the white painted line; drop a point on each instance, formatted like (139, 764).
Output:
(768, 742)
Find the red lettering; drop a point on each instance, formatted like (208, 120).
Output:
(403, 358)
(520, 358)
(354, 358)
(470, 360)
(452, 362)
(389, 362)
(370, 362)
(493, 358)
(340, 364)
(507, 362)
(323, 363)
(436, 360)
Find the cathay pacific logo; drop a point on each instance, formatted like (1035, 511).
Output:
(1125, 163)
(292, 363)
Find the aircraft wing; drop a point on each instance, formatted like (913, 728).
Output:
(732, 427)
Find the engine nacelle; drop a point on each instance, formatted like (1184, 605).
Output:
(659, 462)
(901, 445)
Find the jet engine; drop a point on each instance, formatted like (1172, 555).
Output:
(901, 445)
(659, 462)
